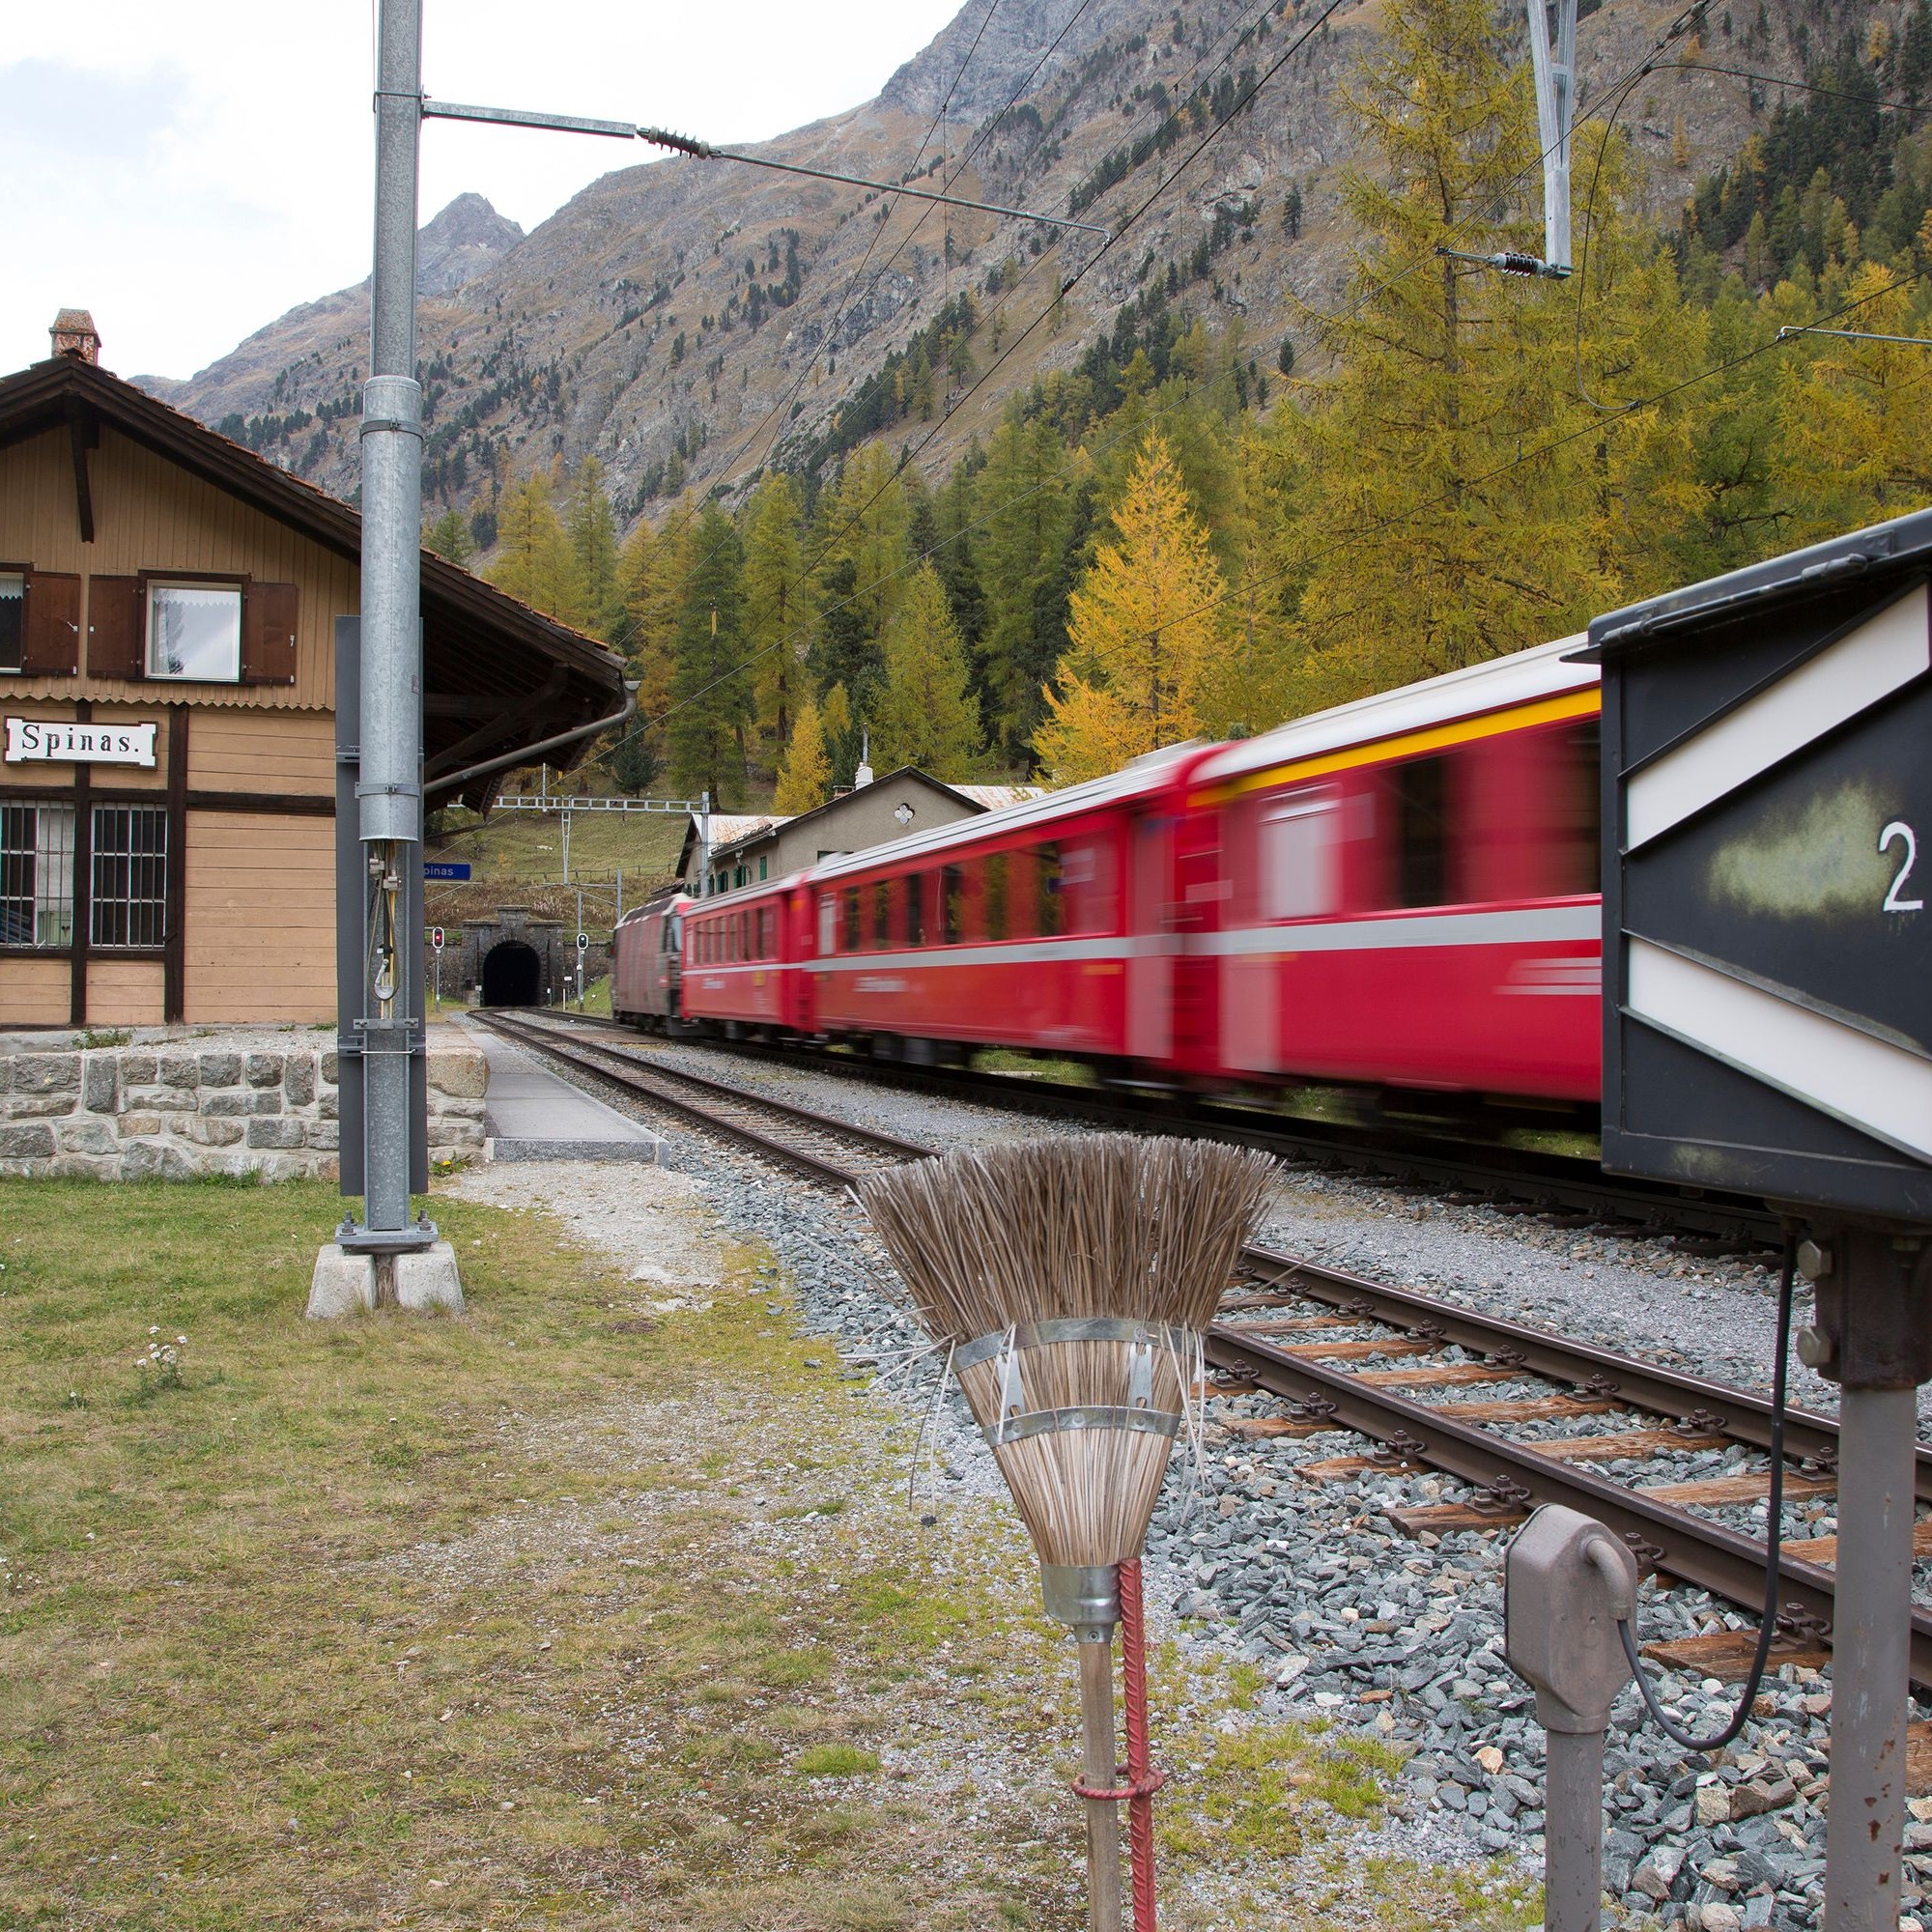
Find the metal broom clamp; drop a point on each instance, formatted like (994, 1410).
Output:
(1072, 1282)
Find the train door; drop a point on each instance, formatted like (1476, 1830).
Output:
(671, 933)
(1200, 895)
(1150, 945)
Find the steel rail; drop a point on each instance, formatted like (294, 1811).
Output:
(1692, 1549)
(642, 1079)
(1717, 1406)
(1527, 1175)
(1695, 1549)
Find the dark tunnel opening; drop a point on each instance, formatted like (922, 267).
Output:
(512, 974)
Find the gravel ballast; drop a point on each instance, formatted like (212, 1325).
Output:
(1304, 1579)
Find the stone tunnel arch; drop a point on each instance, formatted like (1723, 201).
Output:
(512, 974)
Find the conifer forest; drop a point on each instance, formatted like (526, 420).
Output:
(1191, 532)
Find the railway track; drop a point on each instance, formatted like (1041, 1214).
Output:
(1345, 1353)
(815, 1144)
(1569, 1189)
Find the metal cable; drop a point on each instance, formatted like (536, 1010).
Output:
(1773, 1555)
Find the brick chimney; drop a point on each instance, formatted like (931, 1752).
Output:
(74, 334)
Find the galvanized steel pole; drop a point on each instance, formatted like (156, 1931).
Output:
(390, 793)
(1878, 1438)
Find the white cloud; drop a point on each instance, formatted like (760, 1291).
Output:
(191, 171)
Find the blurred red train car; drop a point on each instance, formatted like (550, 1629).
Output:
(1395, 894)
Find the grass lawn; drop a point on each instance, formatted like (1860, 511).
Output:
(583, 1610)
(529, 846)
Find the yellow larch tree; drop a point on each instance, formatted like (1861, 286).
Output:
(807, 771)
(1145, 635)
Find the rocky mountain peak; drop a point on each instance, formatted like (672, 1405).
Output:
(457, 244)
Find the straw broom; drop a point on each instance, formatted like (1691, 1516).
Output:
(1071, 1282)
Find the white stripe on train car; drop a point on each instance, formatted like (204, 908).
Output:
(1508, 926)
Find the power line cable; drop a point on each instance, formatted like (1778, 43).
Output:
(985, 134)
(1197, 82)
(1541, 450)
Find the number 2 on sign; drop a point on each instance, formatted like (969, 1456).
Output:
(1898, 829)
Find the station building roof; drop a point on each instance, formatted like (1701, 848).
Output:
(498, 675)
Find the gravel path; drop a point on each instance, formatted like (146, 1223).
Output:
(1304, 1579)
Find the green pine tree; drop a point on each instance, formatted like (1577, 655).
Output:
(925, 716)
(593, 541)
(711, 690)
(1024, 553)
(778, 610)
(449, 538)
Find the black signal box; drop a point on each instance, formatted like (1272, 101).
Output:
(1767, 874)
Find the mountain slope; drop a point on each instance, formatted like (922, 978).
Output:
(687, 321)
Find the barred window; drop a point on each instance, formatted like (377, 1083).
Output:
(37, 875)
(131, 875)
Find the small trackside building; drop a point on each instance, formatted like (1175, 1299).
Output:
(168, 608)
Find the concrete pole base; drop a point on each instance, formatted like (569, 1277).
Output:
(429, 1279)
(342, 1285)
(350, 1284)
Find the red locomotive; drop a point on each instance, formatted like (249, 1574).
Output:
(1396, 893)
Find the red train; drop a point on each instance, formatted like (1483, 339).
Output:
(1398, 893)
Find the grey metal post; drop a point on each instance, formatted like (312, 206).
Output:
(566, 848)
(1566, 1582)
(705, 847)
(1572, 1832)
(1555, 75)
(389, 788)
(616, 917)
(1878, 1436)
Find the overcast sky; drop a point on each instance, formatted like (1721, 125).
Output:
(191, 170)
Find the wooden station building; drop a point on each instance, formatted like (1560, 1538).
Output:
(168, 602)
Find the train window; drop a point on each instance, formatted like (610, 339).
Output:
(848, 938)
(952, 904)
(767, 926)
(1300, 852)
(1420, 789)
(916, 909)
(882, 914)
(1575, 810)
(993, 894)
(828, 914)
(1049, 909)
(744, 951)
(1087, 888)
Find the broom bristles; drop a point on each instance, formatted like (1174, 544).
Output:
(1110, 1225)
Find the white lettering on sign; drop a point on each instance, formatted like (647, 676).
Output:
(1898, 829)
(51, 741)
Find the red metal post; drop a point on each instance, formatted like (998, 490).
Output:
(1141, 1782)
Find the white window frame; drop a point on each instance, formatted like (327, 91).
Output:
(1301, 854)
(18, 577)
(156, 590)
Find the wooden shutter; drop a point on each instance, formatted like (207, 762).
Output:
(114, 607)
(269, 634)
(50, 644)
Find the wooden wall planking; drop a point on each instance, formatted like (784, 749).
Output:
(34, 992)
(124, 992)
(238, 751)
(260, 917)
(149, 515)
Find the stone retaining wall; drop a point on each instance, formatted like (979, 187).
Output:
(198, 1107)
